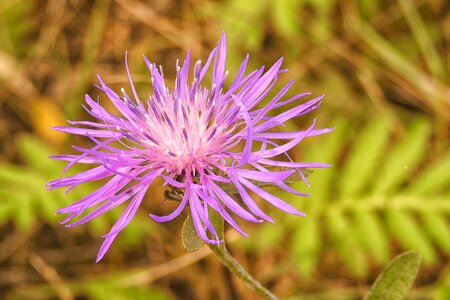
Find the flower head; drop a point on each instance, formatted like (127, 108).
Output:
(197, 138)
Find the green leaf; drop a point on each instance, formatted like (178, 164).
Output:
(346, 244)
(189, 237)
(50, 205)
(35, 152)
(409, 234)
(359, 169)
(140, 293)
(433, 179)
(26, 185)
(306, 245)
(13, 173)
(437, 227)
(24, 215)
(403, 158)
(6, 206)
(372, 235)
(104, 289)
(395, 280)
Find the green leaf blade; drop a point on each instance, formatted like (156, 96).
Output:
(372, 235)
(438, 229)
(407, 231)
(360, 166)
(394, 282)
(189, 237)
(433, 179)
(345, 242)
(403, 158)
(306, 246)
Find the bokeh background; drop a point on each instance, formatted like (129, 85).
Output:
(384, 67)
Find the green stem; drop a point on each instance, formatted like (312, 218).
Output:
(232, 264)
(220, 250)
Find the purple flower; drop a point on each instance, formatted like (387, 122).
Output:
(196, 137)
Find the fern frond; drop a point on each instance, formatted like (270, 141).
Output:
(380, 190)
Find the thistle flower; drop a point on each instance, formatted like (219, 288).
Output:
(196, 137)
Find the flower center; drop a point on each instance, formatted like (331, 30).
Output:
(183, 130)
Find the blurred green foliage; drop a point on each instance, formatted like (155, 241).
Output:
(14, 26)
(370, 201)
(100, 291)
(25, 206)
(384, 67)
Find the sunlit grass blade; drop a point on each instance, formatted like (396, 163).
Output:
(397, 62)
